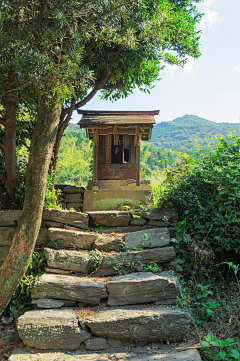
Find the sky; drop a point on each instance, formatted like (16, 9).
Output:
(208, 87)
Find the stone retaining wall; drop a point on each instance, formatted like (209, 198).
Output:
(101, 222)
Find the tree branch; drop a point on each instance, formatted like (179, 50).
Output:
(11, 90)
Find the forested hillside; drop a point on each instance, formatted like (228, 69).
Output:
(184, 133)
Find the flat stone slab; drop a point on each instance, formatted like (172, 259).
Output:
(51, 303)
(69, 288)
(149, 238)
(142, 287)
(7, 234)
(76, 198)
(110, 218)
(75, 261)
(157, 214)
(109, 244)
(67, 238)
(51, 329)
(160, 255)
(40, 355)
(146, 324)
(73, 190)
(9, 218)
(76, 219)
(96, 343)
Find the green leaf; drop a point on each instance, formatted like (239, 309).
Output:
(235, 354)
(228, 342)
(210, 337)
(222, 354)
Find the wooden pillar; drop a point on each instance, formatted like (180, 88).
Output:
(138, 158)
(95, 157)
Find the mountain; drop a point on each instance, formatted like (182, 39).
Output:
(183, 133)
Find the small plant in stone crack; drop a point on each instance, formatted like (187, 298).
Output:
(95, 261)
(152, 267)
(124, 248)
(118, 267)
(53, 244)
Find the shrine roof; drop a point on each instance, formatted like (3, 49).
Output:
(108, 117)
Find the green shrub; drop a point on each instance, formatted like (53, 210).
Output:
(205, 190)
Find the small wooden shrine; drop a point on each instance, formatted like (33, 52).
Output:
(117, 136)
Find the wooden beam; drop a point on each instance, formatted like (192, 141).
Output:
(138, 159)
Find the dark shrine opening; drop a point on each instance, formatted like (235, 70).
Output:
(117, 150)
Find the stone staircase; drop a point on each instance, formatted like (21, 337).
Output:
(119, 304)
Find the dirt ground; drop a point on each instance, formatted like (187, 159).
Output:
(8, 340)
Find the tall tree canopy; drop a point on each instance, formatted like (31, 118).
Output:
(64, 50)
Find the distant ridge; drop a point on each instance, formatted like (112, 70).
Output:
(183, 133)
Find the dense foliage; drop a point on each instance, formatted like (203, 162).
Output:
(205, 190)
(184, 133)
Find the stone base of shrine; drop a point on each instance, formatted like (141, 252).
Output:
(119, 184)
(113, 199)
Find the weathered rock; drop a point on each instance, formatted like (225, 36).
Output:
(96, 344)
(70, 288)
(109, 244)
(53, 224)
(138, 222)
(110, 218)
(75, 205)
(152, 222)
(6, 235)
(51, 303)
(9, 218)
(42, 239)
(51, 329)
(157, 214)
(75, 261)
(73, 189)
(3, 253)
(67, 238)
(149, 238)
(160, 255)
(57, 271)
(144, 324)
(123, 229)
(142, 287)
(101, 272)
(76, 198)
(138, 355)
(76, 219)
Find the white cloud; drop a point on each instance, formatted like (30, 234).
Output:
(236, 68)
(209, 18)
(190, 65)
(207, 3)
(171, 69)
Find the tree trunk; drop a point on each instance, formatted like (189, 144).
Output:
(9, 141)
(16, 263)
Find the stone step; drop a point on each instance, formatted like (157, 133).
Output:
(77, 261)
(75, 219)
(59, 329)
(141, 354)
(52, 291)
(51, 329)
(109, 218)
(67, 238)
(142, 287)
(153, 324)
(149, 238)
(60, 287)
